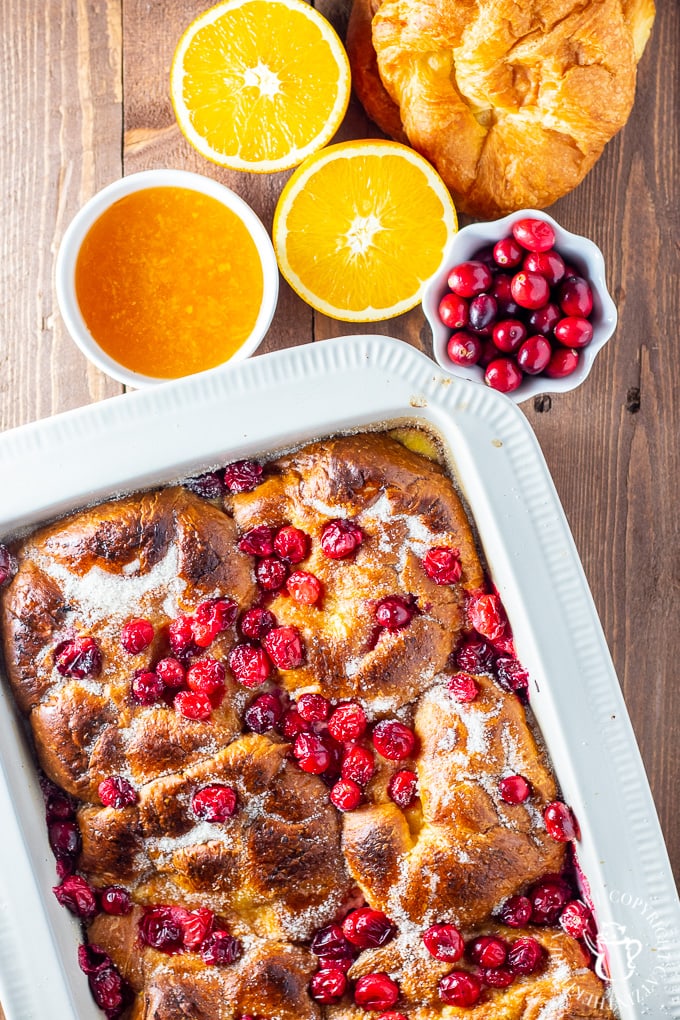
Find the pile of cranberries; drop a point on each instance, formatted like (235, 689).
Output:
(516, 308)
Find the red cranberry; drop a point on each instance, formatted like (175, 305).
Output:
(291, 544)
(342, 963)
(403, 788)
(136, 635)
(147, 688)
(463, 687)
(110, 992)
(304, 588)
(512, 675)
(116, 792)
(516, 912)
(526, 955)
(242, 476)
(347, 722)
(220, 949)
(79, 658)
(171, 672)
(575, 296)
(206, 677)
(293, 723)
(460, 988)
(271, 573)
(376, 992)
(508, 335)
(547, 263)
(214, 803)
(464, 348)
(576, 920)
(534, 234)
(488, 617)
(310, 753)
(340, 539)
(258, 541)
(442, 565)
(444, 942)
(264, 714)
(330, 943)
(485, 255)
(327, 986)
(284, 646)
(393, 612)
(534, 355)
(208, 486)
(530, 290)
(76, 895)
(211, 618)
(453, 311)
(358, 765)
(475, 655)
(193, 705)
(507, 252)
(562, 363)
(64, 839)
(160, 928)
(503, 375)
(502, 290)
(514, 789)
(313, 707)
(543, 320)
(366, 928)
(256, 622)
(8, 565)
(58, 805)
(470, 278)
(335, 751)
(488, 951)
(196, 926)
(548, 900)
(345, 795)
(483, 312)
(560, 822)
(115, 900)
(574, 331)
(181, 636)
(92, 958)
(393, 740)
(497, 977)
(249, 664)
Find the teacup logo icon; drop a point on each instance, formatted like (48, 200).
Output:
(613, 934)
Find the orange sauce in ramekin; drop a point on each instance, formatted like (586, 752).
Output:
(169, 282)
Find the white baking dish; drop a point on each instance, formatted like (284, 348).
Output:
(284, 399)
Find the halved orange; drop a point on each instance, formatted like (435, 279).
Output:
(360, 227)
(259, 84)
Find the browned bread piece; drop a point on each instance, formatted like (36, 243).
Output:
(366, 79)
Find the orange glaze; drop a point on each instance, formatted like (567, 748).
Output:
(169, 282)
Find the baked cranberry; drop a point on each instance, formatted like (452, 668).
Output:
(442, 564)
(508, 335)
(284, 646)
(403, 788)
(310, 753)
(115, 900)
(8, 565)
(547, 263)
(575, 296)
(543, 320)
(533, 234)
(136, 635)
(313, 707)
(526, 955)
(211, 618)
(516, 911)
(507, 252)
(340, 539)
(562, 363)
(160, 928)
(503, 375)
(548, 900)
(460, 988)
(271, 573)
(347, 721)
(530, 290)
(181, 636)
(258, 541)
(514, 789)
(483, 312)
(496, 977)
(511, 674)
(330, 943)
(264, 714)
(534, 355)
(463, 687)
(58, 805)
(304, 588)
(488, 951)
(393, 612)
(214, 803)
(193, 705)
(468, 279)
(464, 348)
(576, 920)
(92, 958)
(293, 723)
(242, 476)
(220, 949)
(453, 311)
(78, 896)
(376, 991)
(342, 963)
(329, 985)
(256, 622)
(560, 822)
(291, 544)
(393, 740)
(444, 942)
(488, 617)
(249, 664)
(116, 792)
(574, 331)
(78, 658)
(110, 992)
(358, 765)
(475, 656)
(335, 751)
(209, 485)
(196, 926)
(147, 687)
(345, 795)
(366, 928)
(206, 677)
(64, 839)
(392, 1016)
(170, 671)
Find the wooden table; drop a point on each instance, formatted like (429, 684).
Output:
(85, 100)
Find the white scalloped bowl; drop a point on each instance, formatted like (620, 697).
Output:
(579, 251)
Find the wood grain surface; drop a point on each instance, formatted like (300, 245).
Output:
(84, 98)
